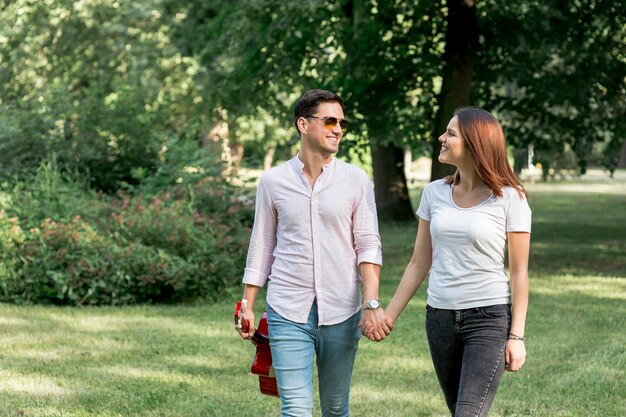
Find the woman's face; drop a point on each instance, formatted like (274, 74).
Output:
(453, 148)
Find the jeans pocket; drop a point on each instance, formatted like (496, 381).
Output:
(499, 311)
(429, 308)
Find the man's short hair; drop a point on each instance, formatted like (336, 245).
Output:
(307, 104)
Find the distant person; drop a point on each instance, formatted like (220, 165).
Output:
(474, 319)
(612, 166)
(315, 239)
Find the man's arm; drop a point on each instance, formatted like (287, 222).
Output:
(260, 254)
(370, 274)
(369, 255)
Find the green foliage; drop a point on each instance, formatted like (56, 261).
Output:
(61, 244)
(552, 70)
(383, 57)
(557, 79)
(121, 96)
(96, 83)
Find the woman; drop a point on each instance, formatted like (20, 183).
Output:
(475, 320)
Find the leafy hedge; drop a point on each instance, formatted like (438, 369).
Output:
(62, 244)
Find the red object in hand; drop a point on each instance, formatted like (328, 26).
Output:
(262, 362)
(239, 320)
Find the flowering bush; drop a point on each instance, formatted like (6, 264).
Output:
(177, 246)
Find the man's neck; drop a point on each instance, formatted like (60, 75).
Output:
(313, 163)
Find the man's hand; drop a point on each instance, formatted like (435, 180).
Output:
(245, 322)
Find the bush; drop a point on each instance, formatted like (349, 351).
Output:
(188, 243)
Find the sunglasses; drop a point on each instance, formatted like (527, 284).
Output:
(330, 122)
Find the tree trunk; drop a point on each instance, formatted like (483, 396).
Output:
(408, 161)
(461, 44)
(390, 187)
(216, 139)
(621, 163)
(268, 159)
(236, 155)
(392, 197)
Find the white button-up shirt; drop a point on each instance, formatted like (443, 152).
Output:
(309, 241)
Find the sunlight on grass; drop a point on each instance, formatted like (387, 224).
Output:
(32, 385)
(187, 360)
(63, 353)
(385, 394)
(599, 287)
(220, 330)
(392, 357)
(102, 323)
(615, 187)
(13, 321)
(151, 374)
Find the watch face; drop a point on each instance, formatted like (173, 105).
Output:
(373, 304)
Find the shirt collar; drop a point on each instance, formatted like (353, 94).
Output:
(299, 165)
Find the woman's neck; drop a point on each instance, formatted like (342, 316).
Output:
(469, 180)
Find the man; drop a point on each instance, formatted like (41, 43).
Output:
(315, 229)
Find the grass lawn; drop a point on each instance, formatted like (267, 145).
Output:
(188, 361)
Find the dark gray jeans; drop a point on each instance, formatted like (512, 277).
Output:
(467, 349)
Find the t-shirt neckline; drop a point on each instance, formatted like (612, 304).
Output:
(467, 208)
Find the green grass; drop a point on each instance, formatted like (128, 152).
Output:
(188, 361)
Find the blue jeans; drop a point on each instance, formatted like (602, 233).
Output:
(467, 349)
(293, 347)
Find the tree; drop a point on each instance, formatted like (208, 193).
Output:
(461, 40)
(378, 79)
(98, 84)
(557, 79)
(270, 51)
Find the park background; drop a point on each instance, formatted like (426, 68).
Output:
(132, 135)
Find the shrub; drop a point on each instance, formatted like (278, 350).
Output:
(92, 249)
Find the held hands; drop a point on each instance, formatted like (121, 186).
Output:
(375, 325)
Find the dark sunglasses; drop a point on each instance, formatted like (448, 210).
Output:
(330, 122)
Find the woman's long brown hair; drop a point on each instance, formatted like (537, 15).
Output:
(484, 137)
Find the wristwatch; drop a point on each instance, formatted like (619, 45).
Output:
(372, 304)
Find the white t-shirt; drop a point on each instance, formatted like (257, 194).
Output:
(469, 246)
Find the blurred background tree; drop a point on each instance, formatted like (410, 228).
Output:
(139, 100)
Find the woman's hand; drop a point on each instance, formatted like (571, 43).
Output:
(515, 355)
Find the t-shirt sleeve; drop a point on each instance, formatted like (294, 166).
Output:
(518, 213)
(423, 211)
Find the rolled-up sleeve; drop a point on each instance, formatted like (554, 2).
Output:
(367, 243)
(263, 238)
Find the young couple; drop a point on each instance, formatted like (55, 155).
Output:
(315, 239)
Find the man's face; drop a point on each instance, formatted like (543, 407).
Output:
(320, 139)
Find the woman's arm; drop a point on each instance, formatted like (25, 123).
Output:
(414, 273)
(519, 248)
